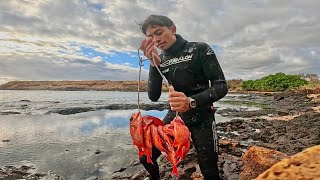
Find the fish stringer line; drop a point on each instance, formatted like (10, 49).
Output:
(139, 79)
(163, 77)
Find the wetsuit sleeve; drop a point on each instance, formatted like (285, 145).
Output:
(154, 84)
(213, 72)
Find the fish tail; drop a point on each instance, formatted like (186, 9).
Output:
(175, 171)
(149, 160)
(141, 152)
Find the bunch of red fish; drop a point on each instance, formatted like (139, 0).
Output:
(172, 139)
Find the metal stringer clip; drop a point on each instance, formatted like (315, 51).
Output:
(140, 65)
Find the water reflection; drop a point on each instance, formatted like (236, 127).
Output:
(119, 119)
(114, 119)
(66, 145)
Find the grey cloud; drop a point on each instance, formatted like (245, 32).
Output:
(257, 37)
(35, 68)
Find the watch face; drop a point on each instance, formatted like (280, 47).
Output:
(193, 103)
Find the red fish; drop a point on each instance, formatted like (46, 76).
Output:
(148, 143)
(136, 132)
(168, 129)
(181, 137)
(156, 139)
(170, 153)
(171, 157)
(165, 136)
(151, 119)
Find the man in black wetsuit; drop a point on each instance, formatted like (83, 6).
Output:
(197, 81)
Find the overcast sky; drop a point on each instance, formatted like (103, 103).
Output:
(98, 39)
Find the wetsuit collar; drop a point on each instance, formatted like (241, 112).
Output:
(179, 44)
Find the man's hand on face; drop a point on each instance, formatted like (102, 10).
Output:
(148, 46)
(178, 100)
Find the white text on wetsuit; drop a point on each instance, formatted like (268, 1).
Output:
(176, 60)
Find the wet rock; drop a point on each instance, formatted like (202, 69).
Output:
(293, 136)
(9, 112)
(120, 170)
(75, 110)
(25, 100)
(304, 165)
(139, 175)
(230, 146)
(92, 178)
(22, 172)
(24, 106)
(257, 159)
(245, 113)
(229, 166)
(197, 176)
(134, 163)
(188, 171)
(228, 143)
(98, 151)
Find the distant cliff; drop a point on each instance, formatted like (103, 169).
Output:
(99, 85)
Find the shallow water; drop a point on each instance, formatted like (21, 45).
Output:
(74, 146)
(42, 102)
(77, 146)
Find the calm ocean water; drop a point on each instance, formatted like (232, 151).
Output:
(77, 146)
(41, 102)
(74, 96)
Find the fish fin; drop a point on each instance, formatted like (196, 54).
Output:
(168, 130)
(146, 120)
(156, 121)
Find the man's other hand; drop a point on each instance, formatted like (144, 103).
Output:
(149, 50)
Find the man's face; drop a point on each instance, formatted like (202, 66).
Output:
(163, 36)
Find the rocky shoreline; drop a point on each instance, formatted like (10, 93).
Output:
(288, 122)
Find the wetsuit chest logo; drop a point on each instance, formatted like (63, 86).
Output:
(165, 71)
(176, 60)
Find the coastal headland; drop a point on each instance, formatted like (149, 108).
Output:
(95, 85)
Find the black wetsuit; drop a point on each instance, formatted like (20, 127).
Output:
(191, 67)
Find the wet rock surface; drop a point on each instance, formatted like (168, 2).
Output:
(246, 129)
(75, 110)
(23, 172)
